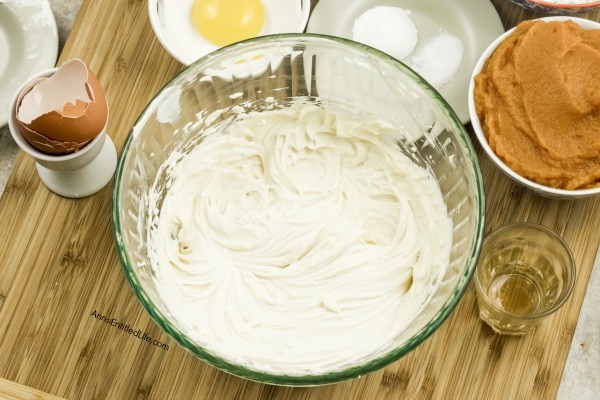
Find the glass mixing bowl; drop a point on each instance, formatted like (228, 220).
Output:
(272, 71)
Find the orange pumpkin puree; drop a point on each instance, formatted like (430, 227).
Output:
(538, 100)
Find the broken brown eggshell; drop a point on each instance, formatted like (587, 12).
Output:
(63, 113)
(39, 141)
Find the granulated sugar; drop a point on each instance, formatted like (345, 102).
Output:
(392, 30)
(388, 29)
(438, 60)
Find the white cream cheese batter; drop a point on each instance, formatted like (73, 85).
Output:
(302, 240)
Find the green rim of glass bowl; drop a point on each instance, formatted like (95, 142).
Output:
(331, 377)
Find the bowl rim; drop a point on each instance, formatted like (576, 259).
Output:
(472, 254)
(159, 34)
(565, 6)
(476, 123)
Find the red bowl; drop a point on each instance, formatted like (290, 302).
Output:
(549, 7)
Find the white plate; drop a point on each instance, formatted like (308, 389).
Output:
(28, 44)
(476, 23)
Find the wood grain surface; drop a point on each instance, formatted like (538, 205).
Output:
(13, 391)
(58, 264)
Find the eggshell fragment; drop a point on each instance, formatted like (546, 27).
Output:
(46, 145)
(61, 114)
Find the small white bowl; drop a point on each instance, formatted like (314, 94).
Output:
(542, 190)
(279, 18)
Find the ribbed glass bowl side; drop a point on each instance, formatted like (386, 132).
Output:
(273, 71)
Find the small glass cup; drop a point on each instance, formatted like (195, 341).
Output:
(525, 272)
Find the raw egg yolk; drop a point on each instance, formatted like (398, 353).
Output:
(223, 22)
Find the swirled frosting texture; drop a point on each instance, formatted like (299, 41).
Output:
(300, 241)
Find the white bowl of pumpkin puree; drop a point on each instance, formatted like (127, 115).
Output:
(534, 102)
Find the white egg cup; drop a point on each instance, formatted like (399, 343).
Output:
(74, 175)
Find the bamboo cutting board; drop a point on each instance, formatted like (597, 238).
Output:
(58, 264)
